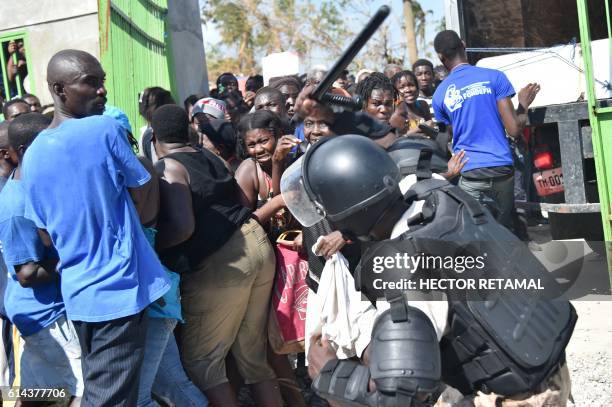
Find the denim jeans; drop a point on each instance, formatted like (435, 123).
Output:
(162, 372)
(496, 194)
(51, 358)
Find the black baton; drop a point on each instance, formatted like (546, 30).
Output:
(347, 57)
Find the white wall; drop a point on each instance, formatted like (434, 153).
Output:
(51, 26)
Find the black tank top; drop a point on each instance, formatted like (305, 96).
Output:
(216, 207)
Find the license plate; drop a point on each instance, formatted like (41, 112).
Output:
(549, 182)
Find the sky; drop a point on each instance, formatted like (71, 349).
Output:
(211, 35)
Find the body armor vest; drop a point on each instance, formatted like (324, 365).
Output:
(502, 343)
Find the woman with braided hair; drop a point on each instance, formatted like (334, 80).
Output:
(378, 95)
(259, 177)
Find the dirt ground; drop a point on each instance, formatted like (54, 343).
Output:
(589, 354)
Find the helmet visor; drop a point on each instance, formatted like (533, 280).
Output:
(296, 198)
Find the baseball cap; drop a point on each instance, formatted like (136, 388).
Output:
(213, 107)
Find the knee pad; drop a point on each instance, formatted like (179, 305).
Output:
(405, 355)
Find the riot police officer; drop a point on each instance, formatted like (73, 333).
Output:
(503, 347)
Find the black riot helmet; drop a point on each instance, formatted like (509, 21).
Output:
(348, 179)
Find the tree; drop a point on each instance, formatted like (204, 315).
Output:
(415, 19)
(236, 29)
(251, 29)
(254, 28)
(409, 28)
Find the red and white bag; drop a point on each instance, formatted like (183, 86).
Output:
(287, 319)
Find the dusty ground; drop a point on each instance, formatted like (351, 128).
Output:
(589, 354)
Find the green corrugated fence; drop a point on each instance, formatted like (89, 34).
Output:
(601, 121)
(134, 51)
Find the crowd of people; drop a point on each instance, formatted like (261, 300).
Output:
(141, 262)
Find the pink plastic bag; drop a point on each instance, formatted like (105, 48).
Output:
(286, 324)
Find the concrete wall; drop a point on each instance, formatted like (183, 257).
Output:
(51, 26)
(185, 32)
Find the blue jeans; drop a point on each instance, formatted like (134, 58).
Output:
(162, 372)
(495, 194)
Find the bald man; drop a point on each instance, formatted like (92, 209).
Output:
(290, 87)
(269, 98)
(77, 175)
(272, 99)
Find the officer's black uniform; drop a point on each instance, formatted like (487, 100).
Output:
(506, 345)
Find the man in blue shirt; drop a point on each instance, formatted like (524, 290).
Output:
(476, 105)
(6, 365)
(51, 355)
(76, 176)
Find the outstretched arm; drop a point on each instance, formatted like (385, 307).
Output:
(515, 120)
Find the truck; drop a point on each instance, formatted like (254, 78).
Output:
(539, 41)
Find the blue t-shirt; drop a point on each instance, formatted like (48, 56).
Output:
(76, 178)
(467, 100)
(3, 270)
(29, 308)
(299, 134)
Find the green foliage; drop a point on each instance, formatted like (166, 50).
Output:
(254, 28)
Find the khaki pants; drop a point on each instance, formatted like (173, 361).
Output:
(225, 306)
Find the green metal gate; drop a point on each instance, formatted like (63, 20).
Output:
(601, 122)
(134, 50)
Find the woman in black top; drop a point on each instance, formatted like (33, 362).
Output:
(228, 265)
